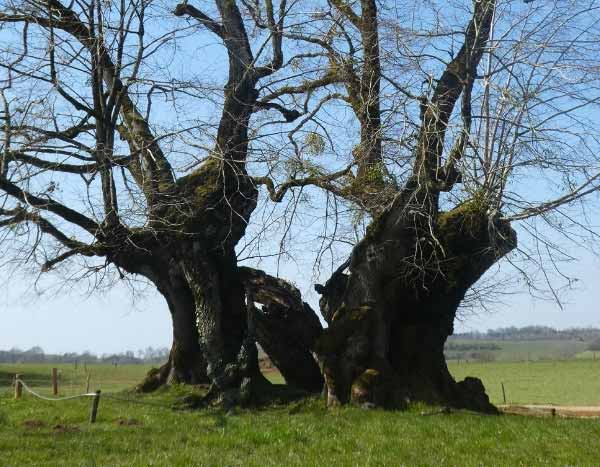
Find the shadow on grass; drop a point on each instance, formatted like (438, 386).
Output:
(269, 395)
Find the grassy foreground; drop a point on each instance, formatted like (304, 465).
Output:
(42, 434)
(147, 432)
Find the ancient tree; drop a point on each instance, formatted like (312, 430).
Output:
(453, 110)
(441, 129)
(100, 160)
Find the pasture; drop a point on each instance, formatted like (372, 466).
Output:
(144, 431)
(565, 382)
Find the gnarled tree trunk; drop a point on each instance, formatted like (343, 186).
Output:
(226, 336)
(286, 328)
(186, 363)
(391, 315)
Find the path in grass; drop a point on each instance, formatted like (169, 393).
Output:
(573, 411)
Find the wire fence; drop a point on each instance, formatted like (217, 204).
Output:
(46, 398)
(70, 384)
(112, 396)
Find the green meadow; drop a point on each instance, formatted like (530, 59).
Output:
(564, 382)
(143, 430)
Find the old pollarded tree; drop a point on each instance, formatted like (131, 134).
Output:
(470, 121)
(442, 129)
(108, 158)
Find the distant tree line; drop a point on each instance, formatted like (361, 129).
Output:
(595, 346)
(461, 347)
(483, 351)
(529, 333)
(37, 355)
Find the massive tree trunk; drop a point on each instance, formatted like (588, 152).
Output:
(186, 363)
(391, 314)
(286, 328)
(219, 199)
(225, 333)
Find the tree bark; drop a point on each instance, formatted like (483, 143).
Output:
(286, 328)
(225, 333)
(186, 363)
(391, 314)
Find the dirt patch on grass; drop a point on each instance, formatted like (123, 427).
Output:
(549, 410)
(128, 422)
(60, 428)
(33, 424)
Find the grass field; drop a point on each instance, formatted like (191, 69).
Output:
(39, 433)
(567, 382)
(73, 380)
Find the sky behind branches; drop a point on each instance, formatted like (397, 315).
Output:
(114, 321)
(62, 321)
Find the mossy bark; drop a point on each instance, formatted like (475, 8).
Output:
(390, 316)
(192, 262)
(225, 333)
(286, 328)
(186, 363)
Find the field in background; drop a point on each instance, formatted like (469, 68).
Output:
(567, 382)
(73, 380)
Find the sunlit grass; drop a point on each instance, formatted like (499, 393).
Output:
(568, 382)
(73, 380)
(39, 433)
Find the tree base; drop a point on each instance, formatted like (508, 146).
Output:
(390, 315)
(373, 389)
(254, 394)
(410, 368)
(167, 375)
(472, 396)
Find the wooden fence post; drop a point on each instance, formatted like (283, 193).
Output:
(95, 403)
(503, 393)
(18, 386)
(55, 381)
(87, 383)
